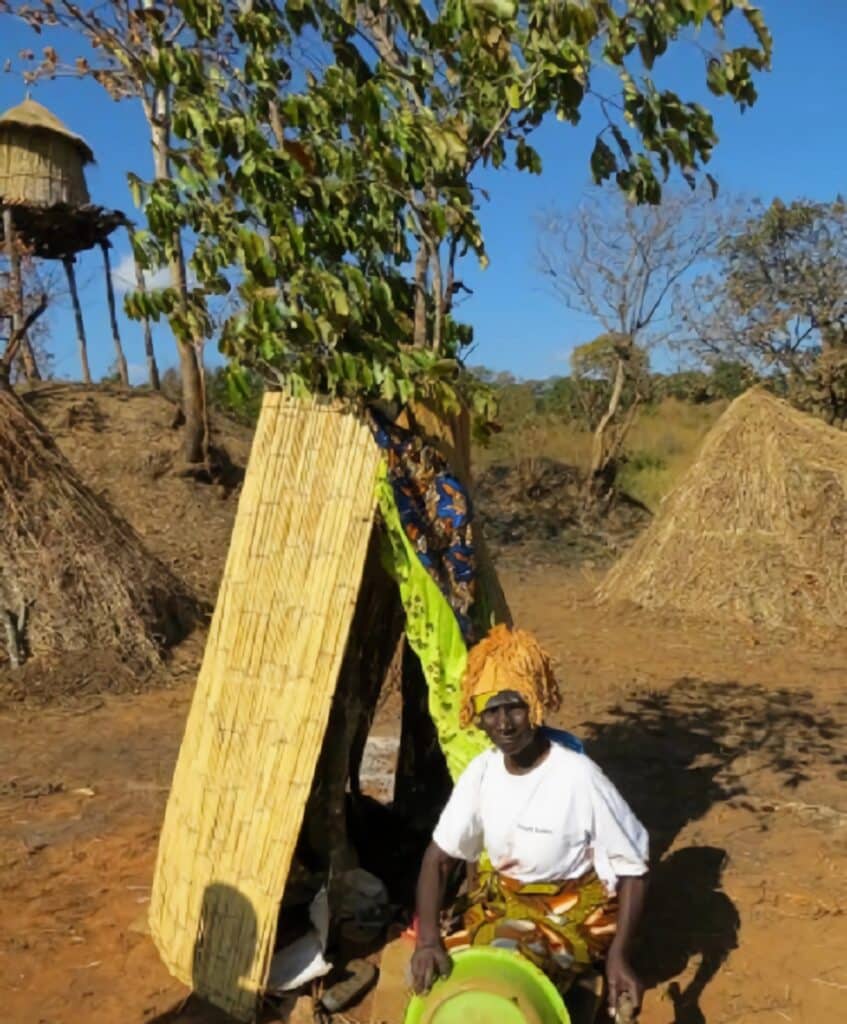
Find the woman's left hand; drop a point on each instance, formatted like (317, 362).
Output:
(621, 978)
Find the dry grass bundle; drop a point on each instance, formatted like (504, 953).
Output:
(755, 530)
(71, 569)
(41, 161)
(263, 698)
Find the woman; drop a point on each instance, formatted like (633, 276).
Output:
(568, 859)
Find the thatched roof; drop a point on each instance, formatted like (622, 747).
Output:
(37, 118)
(755, 530)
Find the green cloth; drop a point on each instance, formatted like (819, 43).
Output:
(433, 633)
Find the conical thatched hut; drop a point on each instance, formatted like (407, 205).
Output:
(74, 576)
(756, 528)
(41, 161)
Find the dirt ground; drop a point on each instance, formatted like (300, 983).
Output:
(729, 745)
(728, 742)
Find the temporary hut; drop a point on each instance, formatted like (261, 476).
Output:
(295, 601)
(46, 205)
(755, 529)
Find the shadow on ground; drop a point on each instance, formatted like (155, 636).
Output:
(674, 755)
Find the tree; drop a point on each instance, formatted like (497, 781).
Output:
(776, 302)
(312, 191)
(15, 340)
(721, 380)
(621, 264)
(124, 57)
(334, 193)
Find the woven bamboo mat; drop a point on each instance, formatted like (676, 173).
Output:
(260, 709)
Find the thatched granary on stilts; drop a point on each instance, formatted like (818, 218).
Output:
(755, 530)
(47, 209)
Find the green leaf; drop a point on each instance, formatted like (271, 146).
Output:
(304, 191)
(603, 162)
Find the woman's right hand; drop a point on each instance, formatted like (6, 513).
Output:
(428, 963)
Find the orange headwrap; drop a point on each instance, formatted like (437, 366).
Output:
(508, 659)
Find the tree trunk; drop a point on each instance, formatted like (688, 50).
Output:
(82, 344)
(423, 783)
(196, 429)
(123, 372)
(30, 367)
(374, 634)
(421, 265)
(195, 436)
(438, 299)
(597, 483)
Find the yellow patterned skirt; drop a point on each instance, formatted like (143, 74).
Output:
(562, 927)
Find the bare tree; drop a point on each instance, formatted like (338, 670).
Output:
(622, 264)
(775, 301)
(23, 329)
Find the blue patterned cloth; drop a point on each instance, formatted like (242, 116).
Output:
(437, 515)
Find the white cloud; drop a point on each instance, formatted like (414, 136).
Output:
(137, 374)
(123, 276)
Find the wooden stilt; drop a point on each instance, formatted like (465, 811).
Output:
(16, 288)
(123, 371)
(68, 262)
(152, 366)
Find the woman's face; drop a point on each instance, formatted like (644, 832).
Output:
(508, 726)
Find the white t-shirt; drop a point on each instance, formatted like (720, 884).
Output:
(555, 822)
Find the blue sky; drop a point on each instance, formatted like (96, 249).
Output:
(790, 144)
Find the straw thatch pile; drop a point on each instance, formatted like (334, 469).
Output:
(756, 528)
(263, 698)
(73, 575)
(41, 160)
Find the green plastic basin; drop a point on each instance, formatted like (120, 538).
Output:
(489, 986)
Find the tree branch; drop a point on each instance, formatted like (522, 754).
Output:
(17, 336)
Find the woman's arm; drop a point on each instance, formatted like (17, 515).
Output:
(430, 958)
(620, 976)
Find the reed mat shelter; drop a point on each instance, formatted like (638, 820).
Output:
(340, 572)
(755, 530)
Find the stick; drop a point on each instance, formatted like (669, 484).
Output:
(12, 639)
(68, 262)
(123, 372)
